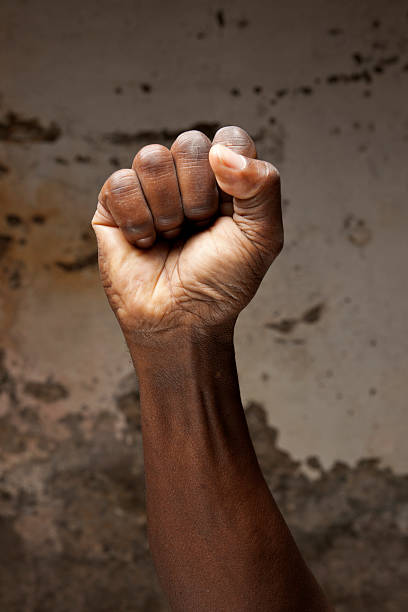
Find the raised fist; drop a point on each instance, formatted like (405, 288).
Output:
(186, 235)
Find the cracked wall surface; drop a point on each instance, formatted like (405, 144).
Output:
(321, 350)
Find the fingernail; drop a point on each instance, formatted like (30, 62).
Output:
(229, 158)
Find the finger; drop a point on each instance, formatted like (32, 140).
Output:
(255, 187)
(240, 142)
(196, 180)
(123, 198)
(157, 175)
(237, 139)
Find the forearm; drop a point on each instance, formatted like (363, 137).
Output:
(217, 537)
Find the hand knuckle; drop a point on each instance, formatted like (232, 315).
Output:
(152, 158)
(120, 180)
(191, 141)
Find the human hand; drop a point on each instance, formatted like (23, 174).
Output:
(186, 235)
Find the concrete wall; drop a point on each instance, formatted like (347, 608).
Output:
(323, 88)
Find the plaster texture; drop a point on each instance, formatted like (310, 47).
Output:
(322, 350)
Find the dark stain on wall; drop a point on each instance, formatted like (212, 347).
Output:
(335, 31)
(114, 161)
(5, 242)
(38, 219)
(48, 391)
(129, 404)
(79, 263)
(13, 561)
(146, 87)
(7, 382)
(366, 67)
(357, 231)
(82, 159)
(3, 169)
(13, 220)
(15, 278)
(164, 135)
(284, 326)
(313, 314)
(287, 325)
(243, 23)
(14, 128)
(220, 18)
(61, 160)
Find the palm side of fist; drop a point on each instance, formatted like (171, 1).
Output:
(186, 235)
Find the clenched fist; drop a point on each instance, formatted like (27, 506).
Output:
(186, 235)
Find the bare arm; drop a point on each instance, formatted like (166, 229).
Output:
(216, 535)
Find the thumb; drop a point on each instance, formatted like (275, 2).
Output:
(255, 187)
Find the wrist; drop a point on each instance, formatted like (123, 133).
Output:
(172, 343)
(190, 398)
(190, 401)
(175, 364)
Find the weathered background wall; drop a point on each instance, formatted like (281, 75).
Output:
(322, 351)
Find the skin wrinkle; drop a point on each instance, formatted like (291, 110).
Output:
(104, 213)
(124, 191)
(158, 175)
(169, 276)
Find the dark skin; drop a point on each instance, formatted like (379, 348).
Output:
(185, 237)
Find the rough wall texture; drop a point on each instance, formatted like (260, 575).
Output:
(322, 87)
